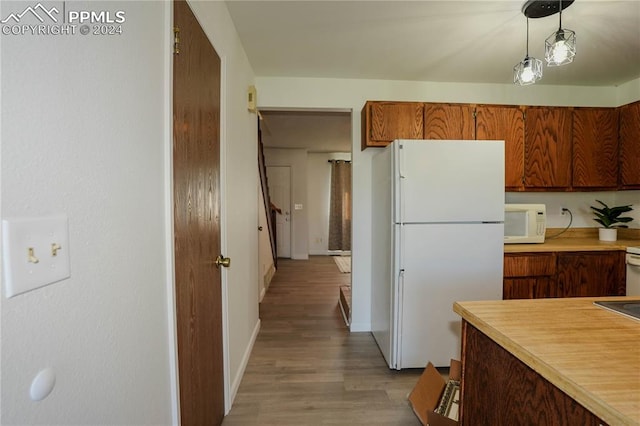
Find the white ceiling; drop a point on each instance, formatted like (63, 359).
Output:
(444, 41)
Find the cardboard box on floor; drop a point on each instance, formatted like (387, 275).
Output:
(425, 396)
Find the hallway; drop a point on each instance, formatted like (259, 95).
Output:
(307, 369)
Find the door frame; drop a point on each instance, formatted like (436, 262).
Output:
(169, 218)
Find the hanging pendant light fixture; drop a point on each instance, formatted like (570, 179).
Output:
(529, 70)
(560, 47)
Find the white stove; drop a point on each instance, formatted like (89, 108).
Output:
(633, 271)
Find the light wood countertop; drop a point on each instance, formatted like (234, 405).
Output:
(591, 354)
(578, 239)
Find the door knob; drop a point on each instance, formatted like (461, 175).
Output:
(224, 261)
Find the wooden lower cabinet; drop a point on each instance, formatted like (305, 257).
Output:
(529, 276)
(499, 389)
(591, 274)
(563, 274)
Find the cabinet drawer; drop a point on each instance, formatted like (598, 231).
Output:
(529, 265)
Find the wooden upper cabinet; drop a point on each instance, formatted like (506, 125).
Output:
(630, 146)
(547, 157)
(449, 121)
(383, 122)
(595, 148)
(495, 122)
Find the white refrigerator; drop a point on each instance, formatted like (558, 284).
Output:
(437, 238)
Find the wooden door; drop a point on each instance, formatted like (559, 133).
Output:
(630, 146)
(547, 147)
(279, 178)
(496, 122)
(449, 121)
(595, 148)
(196, 192)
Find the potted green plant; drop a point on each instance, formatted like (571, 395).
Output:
(610, 219)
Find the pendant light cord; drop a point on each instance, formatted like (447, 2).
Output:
(527, 55)
(560, 14)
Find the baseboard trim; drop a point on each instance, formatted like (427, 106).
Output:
(266, 280)
(339, 252)
(358, 327)
(344, 314)
(318, 253)
(245, 360)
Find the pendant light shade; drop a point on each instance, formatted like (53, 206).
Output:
(560, 47)
(529, 70)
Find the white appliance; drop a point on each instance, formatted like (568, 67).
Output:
(437, 238)
(633, 271)
(524, 223)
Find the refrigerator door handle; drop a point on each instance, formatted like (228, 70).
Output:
(397, 332)
(400, 199)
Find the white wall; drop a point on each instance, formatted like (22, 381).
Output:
(240, 192)
(86, 132)
(628, 92)
(318, 198)
(578, 203)
(83, 134)
(351, 94)
(297, 160)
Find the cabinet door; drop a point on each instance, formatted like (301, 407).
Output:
(449, 121)
(383, 122)
(517, 288)
(630, 145)
(595, 148)
(547, 147)
(495, 122)
(529, 288)
(529, 276)
(591, 274)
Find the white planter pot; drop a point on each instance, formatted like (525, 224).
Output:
(607, 234)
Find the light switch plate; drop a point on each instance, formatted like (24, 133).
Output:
(35, 252)
(297, 206)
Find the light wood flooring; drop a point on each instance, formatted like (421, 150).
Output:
(306, 368)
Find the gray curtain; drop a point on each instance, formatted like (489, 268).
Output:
(340, 206)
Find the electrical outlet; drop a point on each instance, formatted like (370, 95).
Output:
(563, 211)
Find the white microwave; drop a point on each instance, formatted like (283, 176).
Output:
(524, 223)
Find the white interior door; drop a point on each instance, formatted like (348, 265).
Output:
(279, 178)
